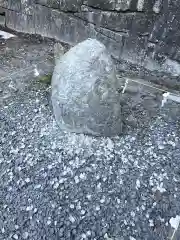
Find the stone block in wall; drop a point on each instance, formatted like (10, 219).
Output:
(110, 20)
(63, 5)
(21, 6)
(135, 22)
(127, 5)
(112, 40)
(60, 25)
(70, 5)
(173, 5)
(116, 36)
(149, 5)
(4, 3)
(164, 50)
(27, 7)
(70, 29)
(14, 5)
(116, 5)
(20, 22)
(42, 20)
(48, 3)
(135, 49)
(143, 23)
(159, 6)
(158, 29)
(171, 33)
(167, 29)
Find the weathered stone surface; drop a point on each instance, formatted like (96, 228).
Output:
(24, 6)
(71, 30)
(27, 7)
(20, 22)
(84, 91)
(69, 5)
(149, 5)
(63, 5)
(127, 5)
(42, 21)
(135, 49)
(134, 22)
(14, 5)
(142, 24)
(110, 20)
(49, 3)
(110, 5)
(112, 40)
(3, 3)
(166, 29)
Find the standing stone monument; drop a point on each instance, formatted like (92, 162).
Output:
(85, 95)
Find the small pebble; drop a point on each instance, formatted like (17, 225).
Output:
(15, 236)
(25, 235)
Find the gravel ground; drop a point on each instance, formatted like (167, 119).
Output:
(56, 185)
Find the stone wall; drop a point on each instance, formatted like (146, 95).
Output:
(141, 32)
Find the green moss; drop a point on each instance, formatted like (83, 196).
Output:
(46, 79)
